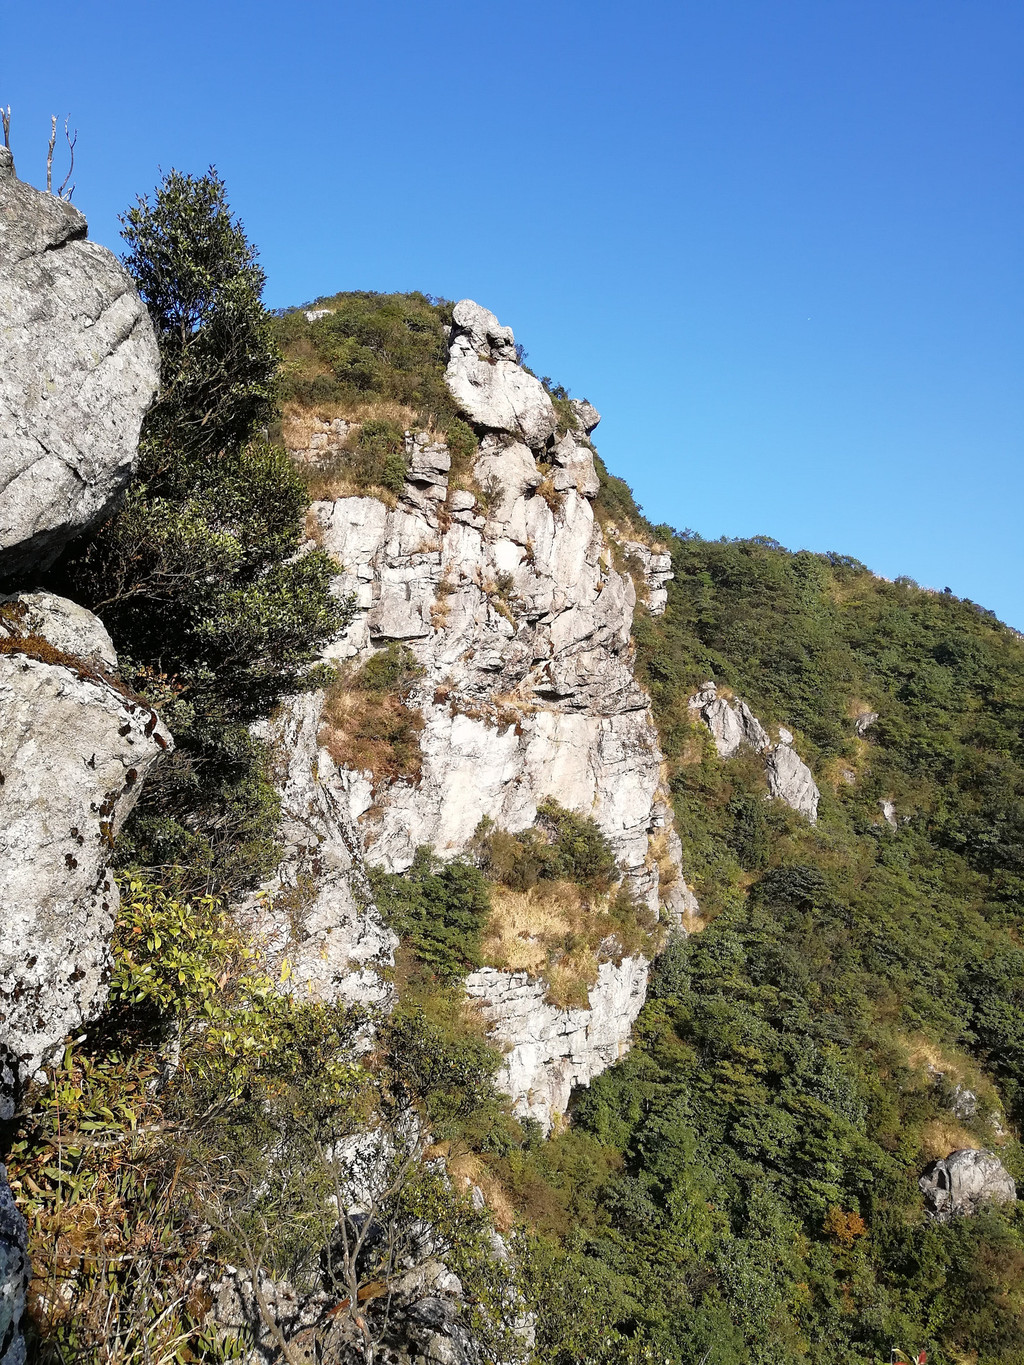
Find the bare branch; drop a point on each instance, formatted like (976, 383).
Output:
(5, 118)
(71, 140)
(49, 153)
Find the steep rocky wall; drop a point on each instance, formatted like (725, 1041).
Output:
(506, 591)
(80, 368)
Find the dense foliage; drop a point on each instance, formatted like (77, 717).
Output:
(794, 1069)
(214, 614)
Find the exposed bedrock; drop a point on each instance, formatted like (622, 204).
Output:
(506, 591)
(74, 752)
(80, 368)
(963, 1182)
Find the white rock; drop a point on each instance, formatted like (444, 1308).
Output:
(66, 625)
(80, 368)
(487, 381)
(963, 1182)
(586, 414)
(791, 781)
(318, 912)
(14, 1276)
(889, 813)
(73, 755)
(550, 1051)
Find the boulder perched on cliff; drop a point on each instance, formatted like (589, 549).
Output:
(961, 1183)
(74, 751)
(488, 382)
(80, 368)
(14, 1277)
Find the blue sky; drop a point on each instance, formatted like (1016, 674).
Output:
(777, 242)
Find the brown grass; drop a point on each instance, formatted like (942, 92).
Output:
(944, 1135)
(557, 933)
(371, 732)
(298, 423)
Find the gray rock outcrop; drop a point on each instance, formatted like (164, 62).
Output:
(506, 593)
(74, 752)
(963, 1182)
(14, 1276)
(318, 910)
(733, 725)
(80, 368)
(487, 381)
(549, 1051)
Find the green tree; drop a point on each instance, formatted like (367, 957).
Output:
(199, 577)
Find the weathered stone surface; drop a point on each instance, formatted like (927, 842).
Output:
(655, 568)
(14, 1277)
(791, 781)
(889, 813)
(486, 379)
(550, 1051)
(733, 725)
(961, 1183)
(730, 726)
(510, 601)
(80, 367)
(586, 414)
(66, 625)
(74, 751)
(318, 910)
(864, 721)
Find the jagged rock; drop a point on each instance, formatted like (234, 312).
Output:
(655, 570)
(864, 721)
(66, 625)
(318, 910)
(14, 1276)
(730, 726)
(586, 414)
(961, 1183)
(80, 369)
(963, 1102)
(790, 780)
(548, 1050)
(489, 384)
(575, 468)
(889, 813)
(74, 751)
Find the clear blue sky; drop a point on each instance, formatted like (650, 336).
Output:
(777, 242)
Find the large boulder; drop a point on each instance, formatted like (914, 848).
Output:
(961, 1183)
(74, 750)
(488, 382)
(80, 368)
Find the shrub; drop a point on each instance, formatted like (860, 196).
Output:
(439, 910)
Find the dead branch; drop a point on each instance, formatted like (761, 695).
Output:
(71, 140)
(49, 153)
(5, 118)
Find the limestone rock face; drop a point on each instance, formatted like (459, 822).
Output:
(506, 593)
(74, 751)
(961, 1183)
(550, 1050)
(318, 911)
(522, 627)
(486, 379)
(80, 368)
(14, 1276)
(734, 725)
(790, 780)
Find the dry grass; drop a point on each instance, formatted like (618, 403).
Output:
(470, 1170)
(372, 732)
(944, 1135)
(557, 933)
(299, 423)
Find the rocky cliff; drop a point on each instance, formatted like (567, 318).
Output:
(503, 586)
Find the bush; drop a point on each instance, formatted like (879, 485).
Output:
(438, 909)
